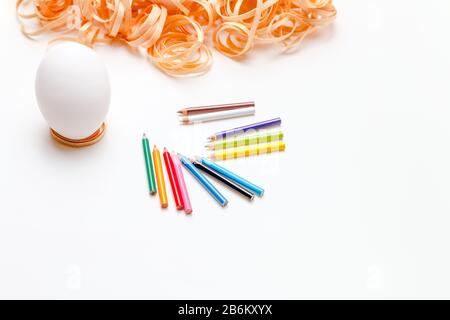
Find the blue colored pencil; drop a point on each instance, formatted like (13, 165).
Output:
(203, 181)
(232, 176)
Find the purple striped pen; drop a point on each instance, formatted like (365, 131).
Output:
(244, 129)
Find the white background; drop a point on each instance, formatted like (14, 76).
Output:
(357, 207)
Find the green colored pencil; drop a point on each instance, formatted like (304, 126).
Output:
(246, 140)
(149, 165)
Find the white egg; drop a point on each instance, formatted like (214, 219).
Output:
(73, 90)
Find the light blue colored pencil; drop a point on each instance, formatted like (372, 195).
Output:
(232, 176)
(203, 181)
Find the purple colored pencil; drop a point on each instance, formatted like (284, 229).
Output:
(244, 129)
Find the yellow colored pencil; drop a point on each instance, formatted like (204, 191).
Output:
(160, 178)
(247, 151)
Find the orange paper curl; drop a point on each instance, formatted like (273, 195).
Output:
(173, 32)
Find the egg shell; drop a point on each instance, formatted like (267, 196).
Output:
(73, 90)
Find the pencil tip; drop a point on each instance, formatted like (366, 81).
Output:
(144, 135)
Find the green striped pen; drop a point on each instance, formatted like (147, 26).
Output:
(246, 140)
(149, 165)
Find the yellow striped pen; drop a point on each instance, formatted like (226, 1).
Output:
(248, 151)
(246, 140)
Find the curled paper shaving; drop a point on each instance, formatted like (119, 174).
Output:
(173, 32)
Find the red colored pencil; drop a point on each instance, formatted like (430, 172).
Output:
(174, 183)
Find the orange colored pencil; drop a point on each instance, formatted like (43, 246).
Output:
(160, 178)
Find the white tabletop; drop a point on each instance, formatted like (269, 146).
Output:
(357, 207)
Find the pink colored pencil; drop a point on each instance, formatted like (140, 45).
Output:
(182, 183)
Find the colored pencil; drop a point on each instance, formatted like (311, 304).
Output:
(232, 176)
(183, 189)
(204, 181)
(244, 129)
(224, 180)
(246, 140)
(160, 178)
(215, 108)
(219, 115)
(149, 165)
(254, 150)
(174, 184)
